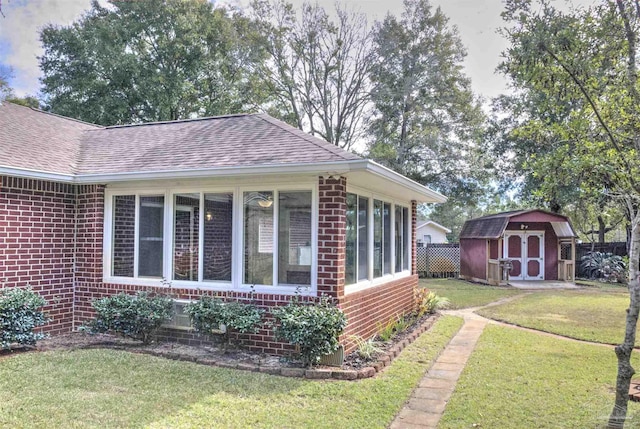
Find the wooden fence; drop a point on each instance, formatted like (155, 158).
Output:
(439, 260)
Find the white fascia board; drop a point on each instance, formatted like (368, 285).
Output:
(428, 195)
(36, 174)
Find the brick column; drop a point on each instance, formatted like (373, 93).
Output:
(414, 236)
(88, 252)
(332, 228)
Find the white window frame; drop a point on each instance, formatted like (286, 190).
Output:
(237, 258)
(371, 281)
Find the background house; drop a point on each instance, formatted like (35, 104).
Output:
(431, 232)
(243, 206)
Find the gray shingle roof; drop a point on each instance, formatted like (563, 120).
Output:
(35, 140)
(493, 226)
(31, 139)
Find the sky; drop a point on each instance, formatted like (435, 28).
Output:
(476, 20)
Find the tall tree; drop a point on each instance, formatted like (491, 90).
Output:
(426, 121)
(580, 70)
(317, 68)
(150, 61)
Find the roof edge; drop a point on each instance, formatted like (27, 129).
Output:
(36, 174)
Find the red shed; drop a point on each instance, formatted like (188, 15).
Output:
(539, 245)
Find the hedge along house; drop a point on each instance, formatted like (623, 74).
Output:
(241, 205)
(539, 246)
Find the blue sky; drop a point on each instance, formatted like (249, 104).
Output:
(477, 21)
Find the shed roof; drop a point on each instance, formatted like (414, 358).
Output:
(494, 225)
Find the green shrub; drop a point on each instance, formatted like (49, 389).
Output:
(394, 326)
(136, 316)
(605, 266)
(20, 313)
(428, 302)
(207, 314)
(313, 327)
(367, 349)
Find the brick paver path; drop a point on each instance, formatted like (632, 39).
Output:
(427, 403)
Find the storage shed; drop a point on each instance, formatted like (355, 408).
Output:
(517, 245)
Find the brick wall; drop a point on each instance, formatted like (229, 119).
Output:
(37, 243)
(369, 308)
(332, 227)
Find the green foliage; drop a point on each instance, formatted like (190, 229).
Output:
(427, 121)
(393, 327)
(136, 316)
(427, 302)
(20, 313)
(208, 313)
(606, 266)
(367, 349)
(313, 327)
(153, 60)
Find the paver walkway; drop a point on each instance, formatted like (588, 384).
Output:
(428, 400)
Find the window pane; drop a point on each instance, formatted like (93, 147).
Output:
(258, 237)
(218, 235)
(151, 239)
(124, 235)
(363, 238)
(294, 238)
(186, 226)
(399, 231)
(386, 238)
(352, 239)
(407, 238)
(377, 238)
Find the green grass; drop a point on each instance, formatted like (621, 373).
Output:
(108, 388)
(464, 294)
(516, 379)
(596, 315)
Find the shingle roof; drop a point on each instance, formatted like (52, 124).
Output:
(227, 141)
(493, 226)
(35, 140)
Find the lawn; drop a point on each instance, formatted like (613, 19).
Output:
(109, 388)
(464, 294)
(516, 379)
(591, 314)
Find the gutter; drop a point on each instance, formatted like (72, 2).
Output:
(336, 168)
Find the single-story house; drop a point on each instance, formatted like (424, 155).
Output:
(535, 245)
(241, 205)
(431, 232)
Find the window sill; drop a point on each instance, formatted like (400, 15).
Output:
(363, 285)
(221, 286)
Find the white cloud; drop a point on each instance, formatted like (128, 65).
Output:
(19, 31)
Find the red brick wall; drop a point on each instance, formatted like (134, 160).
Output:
(37, 243)
(332, 224)
(369, 308)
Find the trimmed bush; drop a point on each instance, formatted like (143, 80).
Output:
(207, 314)
(20, 313)
(136, 316)
(314, 328)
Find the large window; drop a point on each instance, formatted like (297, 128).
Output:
(218, 236)
(390, 238)
(285, 250)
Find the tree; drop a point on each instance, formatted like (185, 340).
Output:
(317, 68)
(7, 93)
(150, 61)
(580, 68)
(426, 120)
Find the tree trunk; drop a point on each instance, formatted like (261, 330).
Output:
(624, 350)
(602, 229)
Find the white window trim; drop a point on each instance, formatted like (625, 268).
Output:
(237, 267)
(385, 278)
